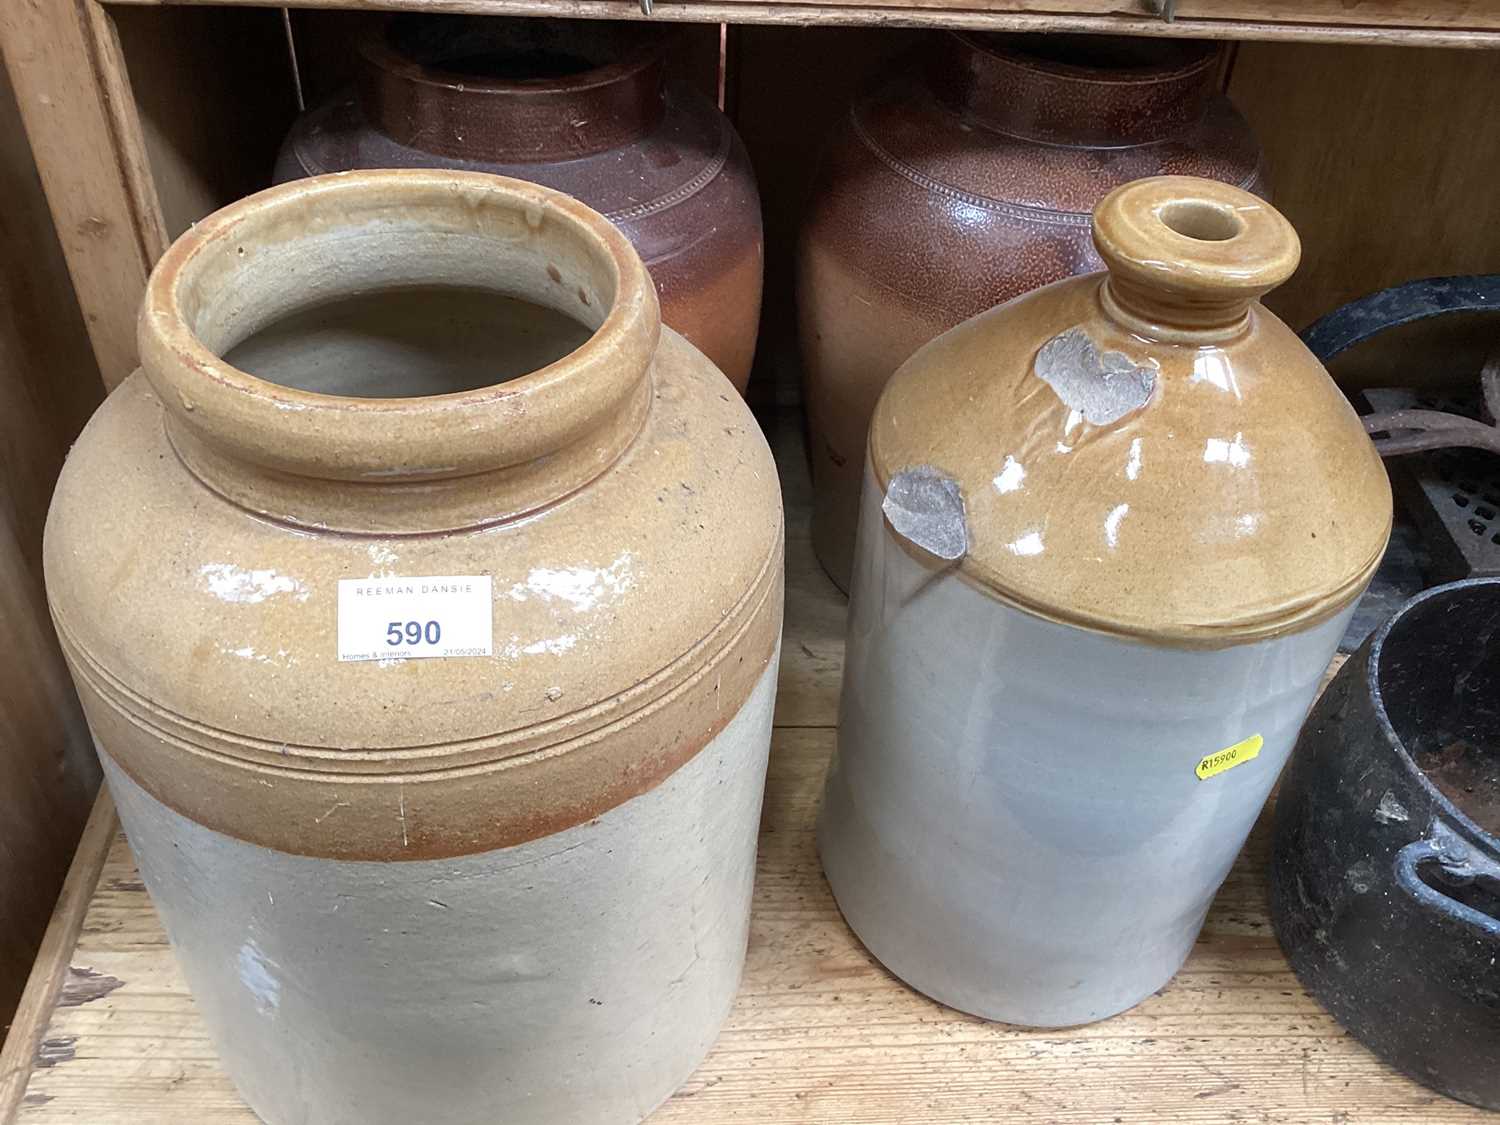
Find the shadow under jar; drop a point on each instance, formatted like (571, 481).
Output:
(580, 106)
(1385, 876)
(964, 180)
(424, 597)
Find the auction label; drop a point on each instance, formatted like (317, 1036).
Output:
(1231, 756)
(407, 618)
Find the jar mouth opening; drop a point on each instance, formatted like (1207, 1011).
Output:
(314, 253)
(1097, 57)
(408, 341)
(278, 269)
(499, 55)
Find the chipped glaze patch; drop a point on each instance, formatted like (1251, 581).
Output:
(230, 583)
(1101, 386)
(926, 508)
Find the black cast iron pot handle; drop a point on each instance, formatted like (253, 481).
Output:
(1461, 864)
(1370, 315)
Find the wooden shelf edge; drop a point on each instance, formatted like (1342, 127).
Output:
(902, 15)
(49, 971)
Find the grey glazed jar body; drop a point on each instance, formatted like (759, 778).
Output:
(422, 887)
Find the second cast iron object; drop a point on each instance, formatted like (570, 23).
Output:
(1111, 534)
(582, 107)
(1448, 444)
(1385, 881)
(964, 180)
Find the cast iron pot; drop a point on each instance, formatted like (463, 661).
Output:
(1385, 881)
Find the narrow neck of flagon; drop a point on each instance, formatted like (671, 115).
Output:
(511, 91)
(1086, 91)
(1172, 314)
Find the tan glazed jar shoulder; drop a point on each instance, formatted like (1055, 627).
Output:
(1232, 494)
(623, 508)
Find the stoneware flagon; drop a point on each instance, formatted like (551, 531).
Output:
(424, 596)
(583, 107)
(1385, 877)
(1111, 533)
(963, 180)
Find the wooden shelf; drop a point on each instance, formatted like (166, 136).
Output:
(109, 1035)
(1454, 23)
(121, 183)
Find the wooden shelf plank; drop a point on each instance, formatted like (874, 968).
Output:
(1448, 23)
(65, 62)
(51, 970)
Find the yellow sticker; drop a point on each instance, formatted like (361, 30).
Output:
(1230, 757)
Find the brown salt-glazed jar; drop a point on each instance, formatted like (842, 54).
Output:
(967, 180)
(583, 107)
(436, 708)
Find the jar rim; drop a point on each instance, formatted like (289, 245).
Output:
(426, 100)
(416, 438)
(1174, 58)
(634, 48)
(1093, 91)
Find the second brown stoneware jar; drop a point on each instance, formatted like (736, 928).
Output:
(424, 597)
(583, 107)
(968, 179)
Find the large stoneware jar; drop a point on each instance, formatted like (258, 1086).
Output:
(1110, 536)
(965, 180)
(578, 106)
(424, 595)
